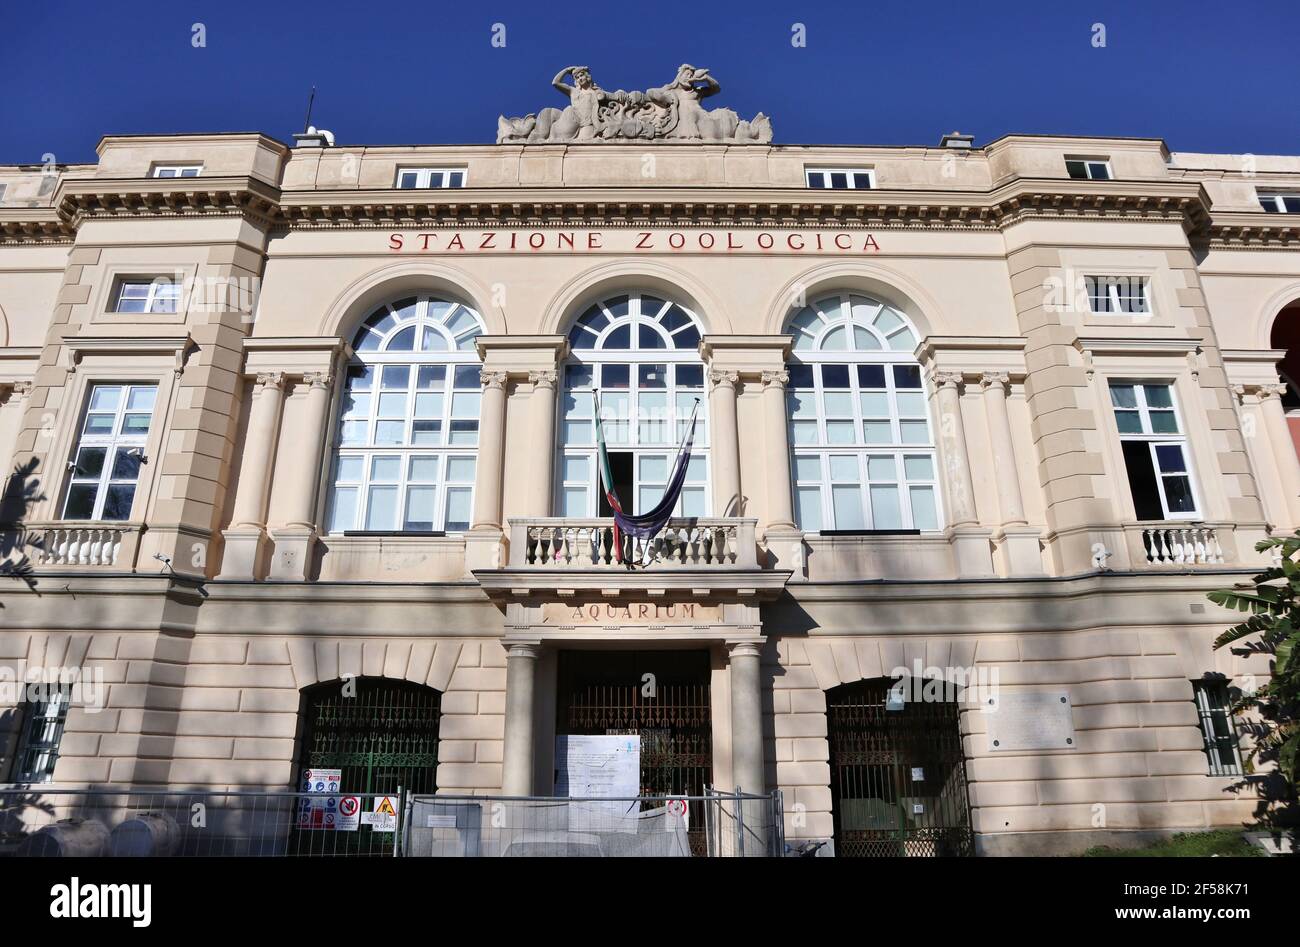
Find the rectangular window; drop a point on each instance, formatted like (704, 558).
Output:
(1280, 203)
(38, 746)
(176, 170)
(645, 410)
(1118, 294)
(159, 295)
(1155, 450)
(417, 178)
(1218, 729)
(407, 439)
(856, 179)
(863, 448)
(1090, 169)
(110, 451)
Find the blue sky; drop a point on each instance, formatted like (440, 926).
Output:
(1203, 76)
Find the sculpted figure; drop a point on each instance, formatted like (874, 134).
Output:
(694, 122)
(671, 111)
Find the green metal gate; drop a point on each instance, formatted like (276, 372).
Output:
(898, 774)
(381, 733)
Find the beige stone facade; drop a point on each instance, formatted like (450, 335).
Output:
(227, 589)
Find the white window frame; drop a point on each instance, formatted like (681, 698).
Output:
(887, 327)
(810, 173)
(1115, 300)
(1274, 202)
(1155, 440)
(424, 178)
(112, 442)
(1090, 166)
(576, 410)
(176, 171)
(448, 321)
(160, 292)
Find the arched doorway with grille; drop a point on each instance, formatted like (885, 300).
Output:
(381, 734)
(898, 772)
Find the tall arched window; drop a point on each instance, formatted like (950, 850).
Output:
(641, 354)
(860, 429)
(408, 424)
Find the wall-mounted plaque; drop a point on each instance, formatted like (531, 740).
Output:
(1030, 720)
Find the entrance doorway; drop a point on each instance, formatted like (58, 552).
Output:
(898, 774)
(660, 696)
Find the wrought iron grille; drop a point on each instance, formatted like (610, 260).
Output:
(383, 737)
(898, 776)
(607, 692)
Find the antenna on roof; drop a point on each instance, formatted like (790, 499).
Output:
(311, 100)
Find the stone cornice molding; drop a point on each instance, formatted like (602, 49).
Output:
(293, 356)
(79, 199)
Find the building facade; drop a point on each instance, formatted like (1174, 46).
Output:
(280, 418)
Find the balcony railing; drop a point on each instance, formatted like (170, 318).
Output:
(1192, 545)
(694, 543)
(75, 544)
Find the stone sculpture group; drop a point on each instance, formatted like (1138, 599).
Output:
(669, 112)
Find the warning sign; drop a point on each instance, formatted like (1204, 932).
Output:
(328, 810)
(384, 816)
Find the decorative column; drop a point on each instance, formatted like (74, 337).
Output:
(491, 452)
(1018, 540)
(972, 553)
(724, 441)
(1268, 482)
(519, 750)
(13, 404)
(246, 536)
(956, 460)
(294, 542)
(541, 483)
(747, 738)
(1284, 455)
(780, 510)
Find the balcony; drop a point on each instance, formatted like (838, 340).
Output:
(75, 545)
(696, 544)
(1177, 546)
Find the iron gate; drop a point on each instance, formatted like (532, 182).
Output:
(383, 736)
(607, 692)
(898, 774)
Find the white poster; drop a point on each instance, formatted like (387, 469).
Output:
(599, 767)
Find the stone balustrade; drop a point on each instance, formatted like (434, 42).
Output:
(692, 543)
(1180, 546)
(76, 544)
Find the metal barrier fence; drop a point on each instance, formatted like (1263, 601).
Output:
(109, 822)
(735, 825)
(93, 822)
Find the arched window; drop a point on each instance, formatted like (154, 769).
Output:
(860, 432)
(408, 423)
(641, 354)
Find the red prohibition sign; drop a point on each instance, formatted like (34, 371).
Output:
(348, 805)
(677, 806)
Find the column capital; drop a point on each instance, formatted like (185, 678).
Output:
(950, 380)
(745, 649)
(775, 379)
(489, 379)
(1267, 392)
(524, 649)
(545, 378)
(266, 380)
(724, 379)
(316, 379)
(999, 380)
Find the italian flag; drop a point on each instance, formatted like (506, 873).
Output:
(607, 481)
